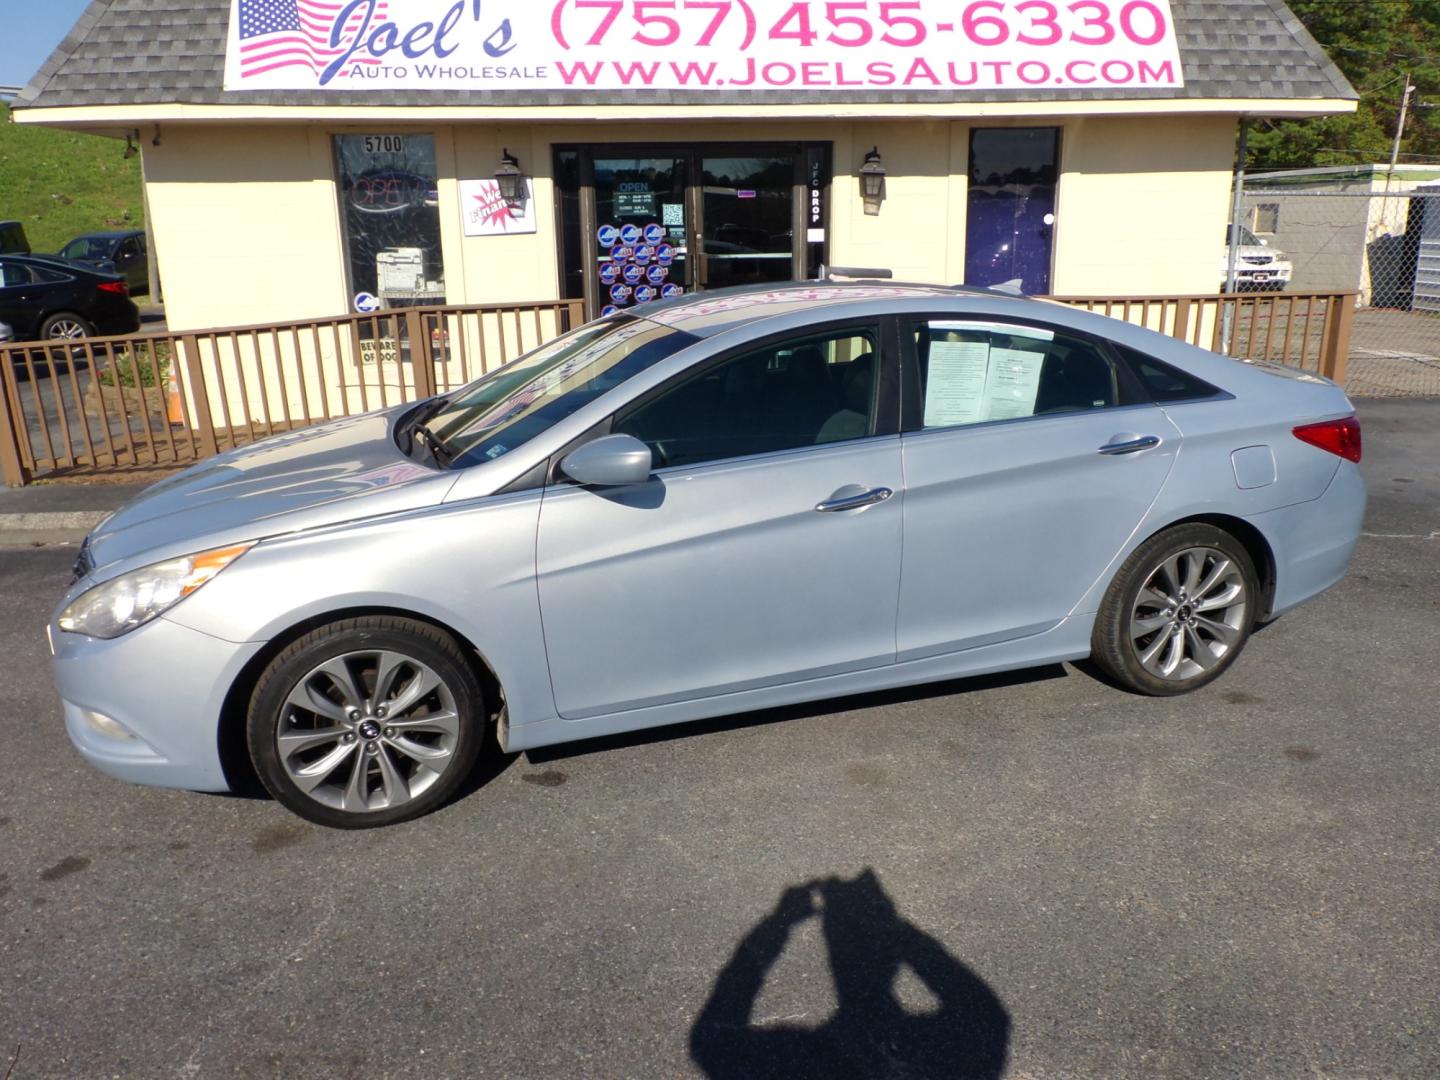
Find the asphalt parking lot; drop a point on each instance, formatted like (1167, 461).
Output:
(1033, 876)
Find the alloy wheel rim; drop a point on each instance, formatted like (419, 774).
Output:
(66, 330)
(368, 731)
(1189, 614)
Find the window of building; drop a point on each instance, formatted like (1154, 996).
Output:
(974, 372)
(1265, 218)
(802, 392)
(390, 207)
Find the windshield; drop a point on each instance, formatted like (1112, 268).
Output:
(86, 247)
(1247, 238)
(510, 406)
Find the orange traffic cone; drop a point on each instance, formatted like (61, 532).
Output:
(174, 409)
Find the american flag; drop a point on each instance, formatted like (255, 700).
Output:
(296, 33)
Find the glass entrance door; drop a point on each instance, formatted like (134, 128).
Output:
(661, 221)
(642, 239)
(1010, 223)
(748, 216)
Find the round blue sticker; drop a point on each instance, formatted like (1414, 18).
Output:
(664, 254)
(607, 235)
(366, 302)
(609, 273)
(608, 309)
(633, 275)
(670, 291)
(619, 293)
(656, 275)
(643, 255)
(630, 234)
(654, 233)
(644, 294)
(620, 254)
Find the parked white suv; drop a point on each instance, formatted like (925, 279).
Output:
(1257, 267)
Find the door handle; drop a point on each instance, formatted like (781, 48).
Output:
(1129, 444)
(854, 502)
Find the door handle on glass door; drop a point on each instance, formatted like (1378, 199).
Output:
(838, 502)
(1130, 444)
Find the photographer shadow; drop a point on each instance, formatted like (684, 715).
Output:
(871, 1034)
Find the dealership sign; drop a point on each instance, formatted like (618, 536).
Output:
(702, 45)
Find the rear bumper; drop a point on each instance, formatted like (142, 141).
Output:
(118, 319)
(146, 707)
(1313, 542)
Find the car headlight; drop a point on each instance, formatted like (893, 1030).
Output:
(133, 599)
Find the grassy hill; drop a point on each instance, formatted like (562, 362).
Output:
(61, 184)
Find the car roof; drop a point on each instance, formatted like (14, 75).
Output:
(710, 313)
(110, 234)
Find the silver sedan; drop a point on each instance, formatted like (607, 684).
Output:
(717, 504)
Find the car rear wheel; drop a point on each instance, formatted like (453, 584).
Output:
(366, 722)
(1178, 612)
(65, 326)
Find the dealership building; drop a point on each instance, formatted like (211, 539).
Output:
(307, 159)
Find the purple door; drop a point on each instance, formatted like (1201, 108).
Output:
(1010, 221)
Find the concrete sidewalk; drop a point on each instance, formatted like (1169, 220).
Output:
(58, 513)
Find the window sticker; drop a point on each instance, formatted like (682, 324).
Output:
(982, 371)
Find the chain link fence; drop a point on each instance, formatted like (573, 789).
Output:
(1385, 245)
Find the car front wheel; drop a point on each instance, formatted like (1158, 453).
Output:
(1178, 612)
(366, 722)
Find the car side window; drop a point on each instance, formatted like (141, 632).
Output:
(801, 392)
(1162, 382)
(973, 371)
(128, 250)
(14, 275)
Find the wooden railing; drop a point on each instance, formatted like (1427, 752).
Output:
(151, 401)
(1304, 330)
(156, 401)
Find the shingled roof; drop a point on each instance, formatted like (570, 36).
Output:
(145, 52)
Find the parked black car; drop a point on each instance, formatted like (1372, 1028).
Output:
(12, 238)
(46, 297)
(124, 253)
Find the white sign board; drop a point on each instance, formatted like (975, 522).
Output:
(698, 46)
(487, 214)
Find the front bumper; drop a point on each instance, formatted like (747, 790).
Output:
(146, 707)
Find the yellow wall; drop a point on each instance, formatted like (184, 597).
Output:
(1143, 205)
(245, 223)
(248, 230)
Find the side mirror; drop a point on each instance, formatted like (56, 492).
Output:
(613, 461)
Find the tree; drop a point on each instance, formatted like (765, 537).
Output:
(1375, 43)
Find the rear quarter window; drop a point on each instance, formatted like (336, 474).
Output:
(1162, 382)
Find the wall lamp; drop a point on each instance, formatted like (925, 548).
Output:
(872, 182)
(510, 180)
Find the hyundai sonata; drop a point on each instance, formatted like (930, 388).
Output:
(705, 506)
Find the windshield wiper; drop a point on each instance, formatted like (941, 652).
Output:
(442, 453)
(416, 421)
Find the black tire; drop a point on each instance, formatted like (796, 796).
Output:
(50, 328)
(376, 767)
(1211, 629)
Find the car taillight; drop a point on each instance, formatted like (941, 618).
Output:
(1339, 437)
(115, 287)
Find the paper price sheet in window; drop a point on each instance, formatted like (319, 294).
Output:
(982, 371)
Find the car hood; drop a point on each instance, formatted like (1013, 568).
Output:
(324, 475)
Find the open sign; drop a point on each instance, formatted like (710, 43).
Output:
(390, 191)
